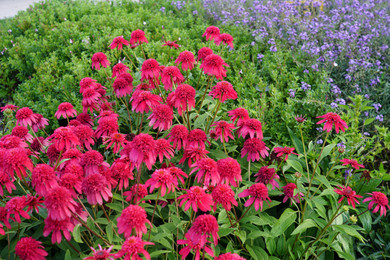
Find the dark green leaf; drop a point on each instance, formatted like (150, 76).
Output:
(286, 219)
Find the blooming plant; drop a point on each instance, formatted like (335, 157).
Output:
(154, 165)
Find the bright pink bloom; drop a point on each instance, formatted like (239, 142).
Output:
(195, 247)
(352, 162)
(171, 44)
(187, 60)
(10, 141)
(193, 154)
(196, 198)
(179, 136)
(150, 70)
(117, 42)
(7, 182)
(91, 160)
(144, 101)
(254, 147)
(177, 174)
(223, 90)
(39, 144)
(133, 216)
(380, 199)
(10, 107)
(119, 69)
(17, 161)
(101, 254)
(288, 191)
(28, 248)
(15, 206)
(74, 156)
(65, 110)
(224, 38)
(164, 149)
(58, 227)
(266, 176)
(41, 123)
(164, 179)
(117, 141)
(132, 248)
(224, 195)
(138, 36)
(202, 227)
(25, 117)
(211, 32)
(208, 171)
(203, 53)
(96, 188)
(171, 75)
(138, 191)
(85, 119)
(53, 154)
(239, 113)
(107, 126)
(197, 138)
(230, 171)
(34, 203)
(161, 117)
(213, 65)
(22, 133)
(349, 194)
(43, 179)
(184, 98)
(85, 135)
(251, 127)
(280, 151)
(98, 59)
(59, 203)
(223, 130)
(90, 100)
(142, 149)
(258, 193)
(331, 119)
(86, 83)
(229, 256)
(122, 87)
(71, 182)
(122, 171)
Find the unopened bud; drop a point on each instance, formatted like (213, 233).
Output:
(298, 175)
(345, 208)
(353, 219)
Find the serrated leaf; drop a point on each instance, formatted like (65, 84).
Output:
(109, 232)
(115, 206)
(242, 235)
(327, 150)
(350, 230)
(286, 219)
(307, 223)
(76, 234)
(296, 165)
(369, 121)
(223, 232)
(256, 252)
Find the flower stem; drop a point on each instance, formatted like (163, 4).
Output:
(154, 211)
(205, 92)
(223, 142)
(242, 215)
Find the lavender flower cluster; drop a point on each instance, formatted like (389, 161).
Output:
(346, 37)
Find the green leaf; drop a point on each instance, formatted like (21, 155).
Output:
(223, 232)
(369, 121)
(350, 230)
(286, 219)
(159, 253)
(256, 252)
(109, 232)
(327, 150)
(366, 221)
(217, 154)
(115, 206)
(296, 165)
(256, 234)
(76, 234)
(67, 255)
(201, 121)
(297, 143)
(242, 235)
(308, 223)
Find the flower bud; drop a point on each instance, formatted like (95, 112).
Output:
(345, 208)
(298, 175)
(353, 219)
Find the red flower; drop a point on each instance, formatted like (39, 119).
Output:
(85, 134)
(179, 136)
(39, 144)
(71, 181)
(204, 52)
(142, 149)
(202, 227)
(95, 186)
(224, 38)
(122, 87)
(117, 42)
(213, 65)
(177, 174)
(164, 149)
(331, 119)
(41, 123)
(86, 83)
(43, 179)
(258, 193)
(211, 32)
(22, 133)
(171, 44)
(380, 199)
(288, 191)
(229, 256)
(267, 176)
(196, 247)
(280, 151)
(56, 226)
(15, 206)
(196, 198)
(34, 202)
(164, 179)
(16, 160)
(66, 110)
(138, 36)
(252, 127)
(193, 154)
(101, 254)
(224, 195)
(90, 100)
(7, 182)
(28, 248)
(223, 91)
(197, 138)
(254, 147)
(223, 130)
(91, 160)
(119, 69)
(143, 101)
(138, 191)
(184, 98)
(239, 113)
(122, 170)
(10, 141)
(208, 171)
(349, 194)
(150, 70)
(73, 155)
(25, 117)
(117, 141)
(98, 59)
(108, 125)
(85, 119)
(230, 171)
(8, 106)
(4, 218)
(132, 247)
(171, 75)
(133, 217)
(352, 162)
(59, 203)
(187, 60)
(161, 117)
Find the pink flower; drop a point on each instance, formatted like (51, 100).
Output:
(187, 60)
(119, 69)
(133, 217)
(43, 179)
(71, 182)
(164, 179)
(41, 123)
(352, 162)
(230, 171)
(87, 83)
(59, 203)
(380, 200)
(98, 59)
(258, 193)
(196, 198)
(171, 44)
(85, 119)
(107, 126)
(15, 206)
(202, 228)
(7, 182)
(280, 151)
(193, 154)
(116, 141)
(251, 127)
(349, 194)
(58, 227)
(96, 187)
(239, 113)
(179, 136)
(138, 191)
(224, 195)
(224, 38)
(85, 135)
(266, 176)
(203, 53)
(101, 254)
(138, 36)
(150, 70)
(164, 149)
(90, 100)
(197, 138)
(10, 107)
(178, 174)
(34, 203)
(288, 191)
(254, 147)
(91, 160)
(229, 256)
(22, 133)
(171, 75)
(144, 101)
(122, 87)
(161, 117)
(211, 32)
(142, 149)
(195, 247)
(208, 171)
(223, 91)
(213, 65)
(184, 98)
(122, 171)
(223, 130)
(331, 119)
(17, 161)
(28, 248)
(65, 110)
(117, 43)
(132, 247)
(25, 117)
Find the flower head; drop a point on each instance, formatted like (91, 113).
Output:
(150, 70)
(224, 38)
(25, 117)
(193, 154)
(59, 203)
(91, 160)
(197, 138)
(122, 87)
(63, 138)
(187, 60)
(132, 247)
(184, 98)
(65, 110)
(258, 193)
(141, 149)
(213, 65)
(28, 248)
(203, 53)
(223, 91)
(196, 198)
(107, 126)
(116, 141)
(119, 69)
(85, 135)
(133, 217)
(251, 127)
(96, 188)
(224, 195)
(349, 194)
(15, 206)
(380, 200)
(138, 36)
(229, 256)
(280, 151)
(207, 171)
(179, 136)
(202, 228)
(98, 59)
(230, 171)
(101, 254)
(118, 42)
(195, 247)
(171, 75)
(239, 113)
(17, 161)
(143, 101)
(177, 174)
(331, 119)
(58, 227)
(288, 191)
(164, 149)
(352, 162)
(254, 147)
(43, 179)
(171, 44)
(138, 191)
(211, 33)
(267, 175)
(41, 123)
(161, 117)
(164, 179)
(22, 133)
(122, 171)
(9, 106)
(87, 83)
(223, 131)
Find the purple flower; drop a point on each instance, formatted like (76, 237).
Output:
(320, 141)
(292, 93)
(305, 86)
(162, 9)
(333, 105)
(341, 145)
(273, 48)
(366, 134)
(379, 118)
(260, 57)
(340, 101)
(377, 106)
(195, 12)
